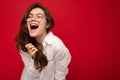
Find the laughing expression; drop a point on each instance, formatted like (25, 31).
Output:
(36, 23)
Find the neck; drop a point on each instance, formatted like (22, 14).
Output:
(40, 38)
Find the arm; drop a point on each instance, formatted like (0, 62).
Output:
(29, 64)
(62, 60)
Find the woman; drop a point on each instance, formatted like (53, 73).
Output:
(44, 55)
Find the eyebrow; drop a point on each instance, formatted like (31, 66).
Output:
(37, 14)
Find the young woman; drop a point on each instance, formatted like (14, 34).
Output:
(44, 55)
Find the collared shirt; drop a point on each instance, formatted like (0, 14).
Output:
(58, 57)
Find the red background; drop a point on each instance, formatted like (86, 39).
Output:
(89, 28)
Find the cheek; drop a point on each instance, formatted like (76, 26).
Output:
(43, 24)
(28, 24)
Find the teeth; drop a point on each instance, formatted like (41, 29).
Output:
(33, 25)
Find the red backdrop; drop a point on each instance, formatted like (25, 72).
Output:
(89, 28)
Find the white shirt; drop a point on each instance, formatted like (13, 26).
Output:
(58, 57)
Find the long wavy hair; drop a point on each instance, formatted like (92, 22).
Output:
(23, 37)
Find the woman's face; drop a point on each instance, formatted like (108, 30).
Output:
(36, 23)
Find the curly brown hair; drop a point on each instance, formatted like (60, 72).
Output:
(23, 37)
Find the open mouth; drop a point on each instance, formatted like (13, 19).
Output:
(34, 26)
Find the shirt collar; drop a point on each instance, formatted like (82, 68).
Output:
(47, 39)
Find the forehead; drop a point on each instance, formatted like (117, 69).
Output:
(37, 11)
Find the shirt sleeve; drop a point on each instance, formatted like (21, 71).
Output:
(29, 64)
(62, 60)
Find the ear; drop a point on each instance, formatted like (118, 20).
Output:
(47, 26)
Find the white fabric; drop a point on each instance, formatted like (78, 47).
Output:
(58, 60)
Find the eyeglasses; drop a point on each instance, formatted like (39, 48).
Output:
(37, 17)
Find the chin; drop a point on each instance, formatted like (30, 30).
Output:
(31, 35)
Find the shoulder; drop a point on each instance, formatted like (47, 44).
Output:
(59, 46)
(60, 50)
(57, 42)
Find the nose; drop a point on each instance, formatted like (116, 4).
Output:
(33, 18)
